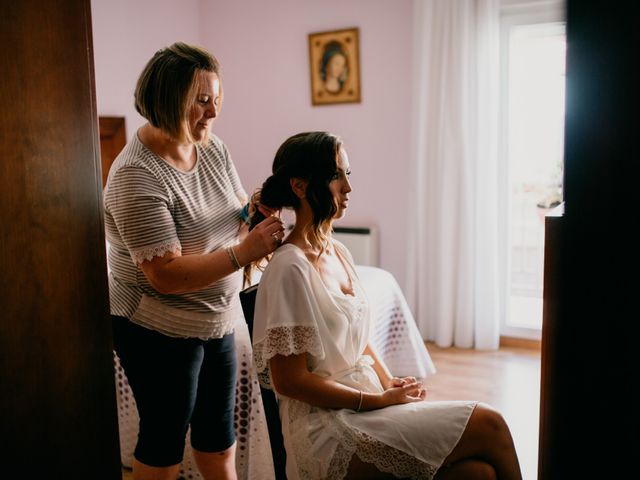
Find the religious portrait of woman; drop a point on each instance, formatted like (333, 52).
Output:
(334, 67)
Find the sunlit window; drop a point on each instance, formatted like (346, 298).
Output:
(534, 151)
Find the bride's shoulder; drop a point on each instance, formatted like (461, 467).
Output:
(288, 256)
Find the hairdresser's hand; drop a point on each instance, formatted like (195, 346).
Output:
(404, 392)
(261, 241)
(254, 204)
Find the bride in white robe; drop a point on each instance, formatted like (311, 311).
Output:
(342, 412)
(296, 313)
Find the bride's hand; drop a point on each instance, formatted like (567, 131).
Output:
(399, 381)
(404, 391)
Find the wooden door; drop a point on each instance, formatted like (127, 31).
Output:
(589, 417)
(57, 402)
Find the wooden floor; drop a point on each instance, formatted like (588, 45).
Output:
(507, 379)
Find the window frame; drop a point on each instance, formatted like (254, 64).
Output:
(515, 13)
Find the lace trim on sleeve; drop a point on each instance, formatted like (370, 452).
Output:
(292, 340)
(148, 253)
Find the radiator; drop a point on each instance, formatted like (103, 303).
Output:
(362, 242)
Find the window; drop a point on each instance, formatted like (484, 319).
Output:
(533, 79)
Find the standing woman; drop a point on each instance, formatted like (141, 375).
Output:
(173, 210)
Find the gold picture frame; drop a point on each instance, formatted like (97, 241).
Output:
(334, 63)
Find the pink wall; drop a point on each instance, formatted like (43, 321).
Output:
(262, 47)
(126, 34)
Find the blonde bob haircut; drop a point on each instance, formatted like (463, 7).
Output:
(168, 86)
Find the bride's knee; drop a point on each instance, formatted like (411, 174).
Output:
(485, 472)
(469, 469)
(491, 422)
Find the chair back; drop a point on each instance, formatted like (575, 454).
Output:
(271, 412)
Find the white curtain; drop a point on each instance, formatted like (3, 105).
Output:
(452, 253)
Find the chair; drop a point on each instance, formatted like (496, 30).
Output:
(271, 412)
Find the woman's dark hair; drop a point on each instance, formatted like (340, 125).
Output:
(310, 156)
(167, 87)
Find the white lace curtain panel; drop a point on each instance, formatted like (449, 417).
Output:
(452, 283)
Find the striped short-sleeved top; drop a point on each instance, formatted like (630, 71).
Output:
(152, 208)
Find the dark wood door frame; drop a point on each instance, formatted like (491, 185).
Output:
(58, 411)
(589, 421)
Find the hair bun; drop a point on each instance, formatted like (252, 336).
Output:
(276, 192)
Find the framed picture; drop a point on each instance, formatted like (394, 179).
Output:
(334, 61)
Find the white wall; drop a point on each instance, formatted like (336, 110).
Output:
(262, 47)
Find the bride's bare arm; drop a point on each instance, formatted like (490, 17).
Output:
(292, 379)
(379, 366)
(386, 378)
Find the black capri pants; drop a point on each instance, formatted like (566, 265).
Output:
(177, 383)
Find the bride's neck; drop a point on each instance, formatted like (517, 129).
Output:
(304, 236)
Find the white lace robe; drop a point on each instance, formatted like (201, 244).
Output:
(294, 314)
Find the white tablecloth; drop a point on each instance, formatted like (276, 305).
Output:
(394, 336)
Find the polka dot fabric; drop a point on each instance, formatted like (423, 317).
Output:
(394, 333)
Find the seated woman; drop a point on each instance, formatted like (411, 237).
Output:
(343, 414)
